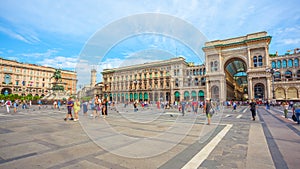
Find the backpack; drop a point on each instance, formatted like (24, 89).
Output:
(8, 103)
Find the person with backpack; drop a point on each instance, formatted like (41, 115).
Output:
(252, 106)
(8, 104)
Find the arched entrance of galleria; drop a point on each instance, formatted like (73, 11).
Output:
(236, 68)
(236, 79)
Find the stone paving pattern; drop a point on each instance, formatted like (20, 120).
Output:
(41, 139)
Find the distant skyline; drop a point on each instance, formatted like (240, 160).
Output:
(53, 33)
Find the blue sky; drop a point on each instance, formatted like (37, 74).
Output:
(54, 33)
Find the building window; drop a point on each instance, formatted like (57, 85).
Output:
(211, 66)
(290, 63)
(216, 66)
(7, 79)
(177, 83)
(204, 71)
(288, 74)
(260, 61)
(17, 82)
(278, 64)
(284, 64)
(200, 72)
(196, 82)
(296, 62)
(273, 64)
(277, 76)
(255, 61)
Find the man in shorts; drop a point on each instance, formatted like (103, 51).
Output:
(70, 105)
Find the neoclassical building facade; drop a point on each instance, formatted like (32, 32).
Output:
(241, 68)
(167, 80)
(24, 79)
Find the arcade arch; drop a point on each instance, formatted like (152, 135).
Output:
(236, 79)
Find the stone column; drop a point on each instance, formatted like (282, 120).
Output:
(250, 87)
(269, 88)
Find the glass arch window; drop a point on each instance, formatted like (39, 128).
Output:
(255, 61)
(260, 61)
(278, 64)
(204, 71)
(296, 62)
(290, 63)
(288, 74)
(273, 64)
(200, 71)
(284, 64)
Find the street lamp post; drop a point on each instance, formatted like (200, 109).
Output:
(272, 71)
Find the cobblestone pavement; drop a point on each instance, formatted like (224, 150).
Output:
(149, 138)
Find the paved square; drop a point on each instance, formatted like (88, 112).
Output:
(149, 138)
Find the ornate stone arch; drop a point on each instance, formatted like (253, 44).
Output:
(228, 59)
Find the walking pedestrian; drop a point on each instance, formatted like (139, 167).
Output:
(234, 106)
(70, 105)
(296, 111)
(104, 108)
(54, 104)
(96, 106)
(40, 104)
(8, 104)
(252, 106)
(15, 106)
(207, 108)
(183, 103)
(285, 107)
(76, 109)
(195, 107)
(267, 105)
(85, 107)
(58, 105)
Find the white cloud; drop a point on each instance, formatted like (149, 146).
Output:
(59, 62)
(14, 35)
(290, 41)
(47, 54)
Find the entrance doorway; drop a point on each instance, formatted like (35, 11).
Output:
(236, 79)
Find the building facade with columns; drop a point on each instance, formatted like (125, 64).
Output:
(24, 79)
(239, 69)
(167, 80)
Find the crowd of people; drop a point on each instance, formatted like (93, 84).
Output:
(16, 104)
(98, 106)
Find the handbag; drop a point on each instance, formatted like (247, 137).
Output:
(211, 111)
(294, 117)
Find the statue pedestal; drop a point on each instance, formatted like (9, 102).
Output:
(57, 92)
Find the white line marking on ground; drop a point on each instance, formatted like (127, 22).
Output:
(228, 115)
(245, 110)
(198, 159)
(239, 116)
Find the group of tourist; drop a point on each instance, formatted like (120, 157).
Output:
(15, 104)
(72, 105)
